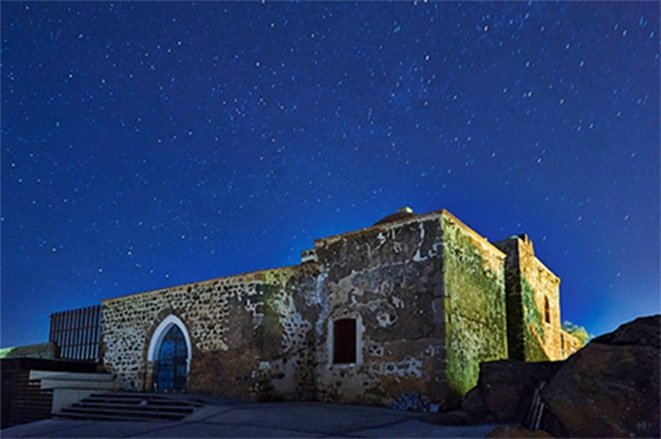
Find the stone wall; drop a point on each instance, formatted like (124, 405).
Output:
(533, 300)
(430, 297)
(291, 306)
(265, 335)
(389, 278)
(515, 339)
(569, 344)
(474, 306)
(541, 307)
(246, 331)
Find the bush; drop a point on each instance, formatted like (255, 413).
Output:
(577, 331)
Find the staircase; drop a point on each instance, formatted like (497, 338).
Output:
(70, 387)
(129, 406)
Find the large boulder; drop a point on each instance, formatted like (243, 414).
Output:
(506, 388)
(643, 331)
(515, 431)
(610, 388)
(458, 417)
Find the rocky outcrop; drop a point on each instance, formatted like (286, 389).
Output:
(505, 388)
(611, 387)
(643, 331)
(512, 431)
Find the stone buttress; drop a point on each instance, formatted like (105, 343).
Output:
(533, 301)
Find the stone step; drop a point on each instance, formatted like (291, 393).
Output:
(142, 413)
(138, 397)
(164, 408)
(136, 401)
(104, 417)
(125, 394)
(129, 406)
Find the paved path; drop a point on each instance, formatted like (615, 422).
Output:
(227, 419)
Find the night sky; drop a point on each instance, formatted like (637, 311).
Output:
(151, 144)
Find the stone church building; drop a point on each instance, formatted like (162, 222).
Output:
(412, 304)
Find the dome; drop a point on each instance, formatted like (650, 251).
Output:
(402, 213)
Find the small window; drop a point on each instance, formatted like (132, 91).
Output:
(547, 310)
(344, 341)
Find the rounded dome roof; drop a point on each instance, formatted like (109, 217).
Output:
(402, 213)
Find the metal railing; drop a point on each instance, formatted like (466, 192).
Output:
(77, 333)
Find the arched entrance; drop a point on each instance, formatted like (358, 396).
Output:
(170, 352)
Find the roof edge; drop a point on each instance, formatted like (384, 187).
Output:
(213, 279)
(382, 226)
(473, 232)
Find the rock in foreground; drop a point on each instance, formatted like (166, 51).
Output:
(611, 387)
(514, 431)
(506, 388)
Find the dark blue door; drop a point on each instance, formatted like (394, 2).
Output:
(171, 365)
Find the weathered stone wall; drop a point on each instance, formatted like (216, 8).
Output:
(247, 333)
(515, 339)
(291, 307)
(570, 344)
(539, 287)
(388, 278)
(531, 288)
(427, 292)
(474, 304)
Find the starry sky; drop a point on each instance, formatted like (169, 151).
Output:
(151, 144)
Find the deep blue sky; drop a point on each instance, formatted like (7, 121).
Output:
(151, 144)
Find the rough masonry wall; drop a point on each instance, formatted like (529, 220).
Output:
(427, 292)
(286, 368)
(474, 303)
(530, 285)
(539, 286)
(389, 279)
(247, 334)
(570, 344)
(515, 339)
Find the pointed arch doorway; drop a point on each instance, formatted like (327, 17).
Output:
(170, 353)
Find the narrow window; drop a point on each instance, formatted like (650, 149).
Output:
(547, 310)
(344, 341)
